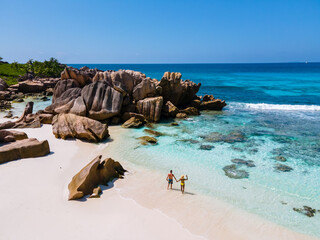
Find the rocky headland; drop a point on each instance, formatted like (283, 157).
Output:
(85, 102)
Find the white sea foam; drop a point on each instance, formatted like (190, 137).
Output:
(284, 107)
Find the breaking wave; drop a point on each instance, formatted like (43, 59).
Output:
(283, 107)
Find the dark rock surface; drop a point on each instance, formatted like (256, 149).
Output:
(206, 147)
(283, 168)
(232, 171)
(248, 163)
(308, 211)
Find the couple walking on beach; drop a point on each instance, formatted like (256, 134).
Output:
(182, 180)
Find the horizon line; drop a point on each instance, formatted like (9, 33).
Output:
(305, 62)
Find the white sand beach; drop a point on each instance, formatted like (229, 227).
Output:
(34, 203)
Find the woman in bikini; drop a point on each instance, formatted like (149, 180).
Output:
(182, 179)
(170, 179)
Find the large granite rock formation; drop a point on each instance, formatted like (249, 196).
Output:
(82, 76)
(102, 100)
(146, 88)
(151, 108)
(92, 175)
(111, 95)
(62, 86)
(64, 95)
(177, 91)
(26, 148)
(121, 80)
(72, 126)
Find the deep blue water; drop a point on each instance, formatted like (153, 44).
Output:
(279, 83)
(276, 110)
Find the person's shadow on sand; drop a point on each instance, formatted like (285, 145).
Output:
(179, 190)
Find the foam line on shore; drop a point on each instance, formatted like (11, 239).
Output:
(284, 107)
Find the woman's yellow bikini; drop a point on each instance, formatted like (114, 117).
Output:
(182, 180)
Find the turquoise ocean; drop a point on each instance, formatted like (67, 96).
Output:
(274, 110)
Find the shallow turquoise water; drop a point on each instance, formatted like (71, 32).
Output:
(276, 107)
(269, 193)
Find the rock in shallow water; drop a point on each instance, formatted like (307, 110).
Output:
(206, 147)
(232, 137)
(283, 168)
(280, 158)
(248, 163)
(308, 211)
(153, 132)
(147, 139)
(232, 171)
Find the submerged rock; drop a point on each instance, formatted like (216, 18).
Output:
(308, 211)
(153, 132)
(232, 171)
(193, 141)
(232, 137)
(248, 163)
(281, 158)
(206, 147)
(283, 168)
(147, 139)
(88, 179)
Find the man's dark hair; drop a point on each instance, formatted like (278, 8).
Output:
(170, 171)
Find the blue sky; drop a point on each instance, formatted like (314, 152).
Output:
(175, 31)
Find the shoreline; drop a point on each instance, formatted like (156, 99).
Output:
(35, 200)
(136, 199)
(225, 220)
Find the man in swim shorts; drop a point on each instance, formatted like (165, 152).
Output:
(170, 179)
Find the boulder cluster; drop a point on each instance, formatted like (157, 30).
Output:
(41, 88)
(85, 101)
(123, 96)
